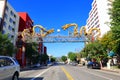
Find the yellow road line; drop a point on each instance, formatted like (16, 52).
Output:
(67, 74)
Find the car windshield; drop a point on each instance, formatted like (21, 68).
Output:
(15, 61)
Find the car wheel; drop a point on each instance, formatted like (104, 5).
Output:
(15, 77)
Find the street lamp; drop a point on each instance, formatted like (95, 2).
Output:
(58, 30)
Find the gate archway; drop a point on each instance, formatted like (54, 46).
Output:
(79, 35)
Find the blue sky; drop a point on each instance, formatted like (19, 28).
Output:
(55, 14)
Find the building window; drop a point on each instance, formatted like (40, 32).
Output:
(96, 14)
(7, 8)
(0, 19)
(14, 22)
(10, 28)
(27, 23)
(14, 16)
(10, 20)
(12, 36)
(11, 13)
(98, 26)
(96, 23)
(96, 18)
(3, 31)
(4, 24)
(6, 16)
(13, 30)
(9, 36)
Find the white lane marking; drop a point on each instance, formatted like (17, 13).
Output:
(99, 76)
(40, 74)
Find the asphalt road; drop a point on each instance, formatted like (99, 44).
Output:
(67, 72)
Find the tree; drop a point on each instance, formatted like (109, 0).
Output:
(78, 57)
(64, 58)
(44, 57)
(31, 53)
(83, 53)
(115, 25)
(6, 47)
(107, 41)
(53, 59)
(29, 50)
(72, 56)
(95, 50)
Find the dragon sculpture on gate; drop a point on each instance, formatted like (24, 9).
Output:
(29, 33)
(82, 30)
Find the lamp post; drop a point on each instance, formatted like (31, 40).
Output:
(58, 32)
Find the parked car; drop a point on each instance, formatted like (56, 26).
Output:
(73, 63)
(36, 65)
(9, 68)
(50, 64)
(93, 65)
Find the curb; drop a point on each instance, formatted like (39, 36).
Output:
(32, 68)
(24, 69)
(110, 70)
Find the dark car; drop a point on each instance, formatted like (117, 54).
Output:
(93, 65)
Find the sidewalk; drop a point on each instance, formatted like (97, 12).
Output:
(33, 68)
(111, 70)
(25, 68)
